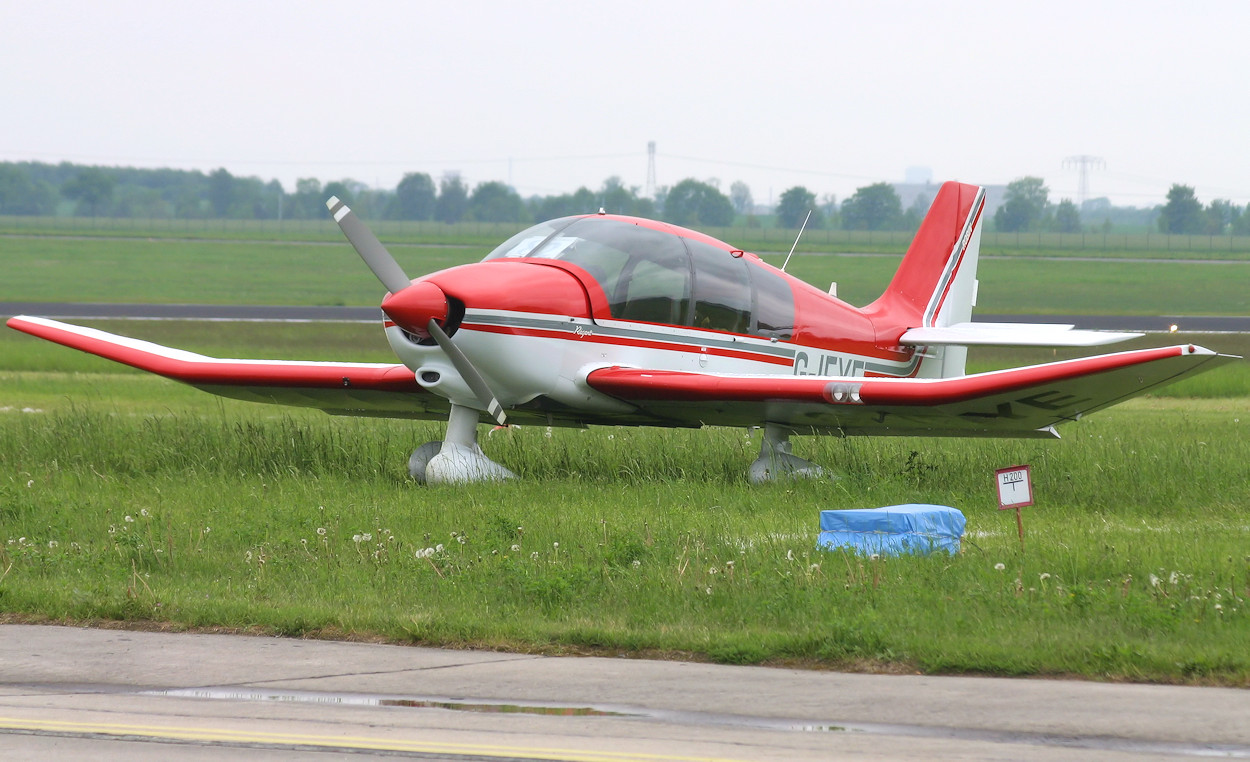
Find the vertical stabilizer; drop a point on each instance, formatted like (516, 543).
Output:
(936, 283)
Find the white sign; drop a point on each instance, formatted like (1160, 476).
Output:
(1015, 487)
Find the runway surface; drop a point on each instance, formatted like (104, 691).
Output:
(113, 695)
(70, 311)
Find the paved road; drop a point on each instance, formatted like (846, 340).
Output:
(373, 314)
(109, 694)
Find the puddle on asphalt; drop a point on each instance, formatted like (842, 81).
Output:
(355, 699)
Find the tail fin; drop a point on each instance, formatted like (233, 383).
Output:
(936, 284)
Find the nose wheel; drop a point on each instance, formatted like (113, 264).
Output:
(457, 459)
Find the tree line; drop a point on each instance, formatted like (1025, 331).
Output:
(1026, 207)
(35, 188)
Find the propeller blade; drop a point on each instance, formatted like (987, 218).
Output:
(368, 247)
(469, 373)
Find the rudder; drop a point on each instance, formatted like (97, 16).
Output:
(936, 283)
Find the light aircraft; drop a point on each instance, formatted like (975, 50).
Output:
(606, 319)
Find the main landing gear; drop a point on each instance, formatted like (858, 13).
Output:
(457, 459)
(777, 462)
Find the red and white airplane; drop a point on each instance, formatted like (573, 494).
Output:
(604, 319)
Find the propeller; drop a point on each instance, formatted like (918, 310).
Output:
(468, 372)
(415, 307)
(368, 247)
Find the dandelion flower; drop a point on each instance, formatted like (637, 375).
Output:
(789, 555)
(1046, 575)
(438, 548)
(534, 556)
(30, 483)
(130, 519)
(875, 556)
(367, 537)
(555, 545)
(709, 590)
(356, 538)
(637, 563)
(999, 567)
(52, 543)
(143, 511)
(321, 531)
(515, 548)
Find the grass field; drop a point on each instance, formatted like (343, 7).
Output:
(125, 497)
(254, 272)
(128, 498)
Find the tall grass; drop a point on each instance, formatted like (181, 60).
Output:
(626, 540)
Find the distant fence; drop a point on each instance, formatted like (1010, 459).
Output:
(757, 239)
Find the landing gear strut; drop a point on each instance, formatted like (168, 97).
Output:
(457, 459)
(777, 462)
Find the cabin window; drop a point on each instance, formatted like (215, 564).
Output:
(722, 290)
(774, 304)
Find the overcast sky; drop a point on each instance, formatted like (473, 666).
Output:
(552, 95)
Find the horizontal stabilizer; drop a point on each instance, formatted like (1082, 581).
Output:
(1011, 335)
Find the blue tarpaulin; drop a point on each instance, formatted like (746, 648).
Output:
(897, 529)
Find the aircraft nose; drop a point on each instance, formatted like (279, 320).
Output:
(413, 308)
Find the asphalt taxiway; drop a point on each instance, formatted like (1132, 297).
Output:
(114, 694)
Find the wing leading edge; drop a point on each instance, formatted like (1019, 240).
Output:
(375, 389)
(1020, 402)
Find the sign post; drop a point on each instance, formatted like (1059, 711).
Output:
(1015, 490)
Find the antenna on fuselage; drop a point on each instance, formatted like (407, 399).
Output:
(796, 240)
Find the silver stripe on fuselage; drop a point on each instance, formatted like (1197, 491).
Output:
(676, 337)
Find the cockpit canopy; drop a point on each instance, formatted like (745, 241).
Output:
(656, 276)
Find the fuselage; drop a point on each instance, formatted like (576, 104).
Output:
(566, 297)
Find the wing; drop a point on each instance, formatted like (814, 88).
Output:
(370, 389)
(1021, 402)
